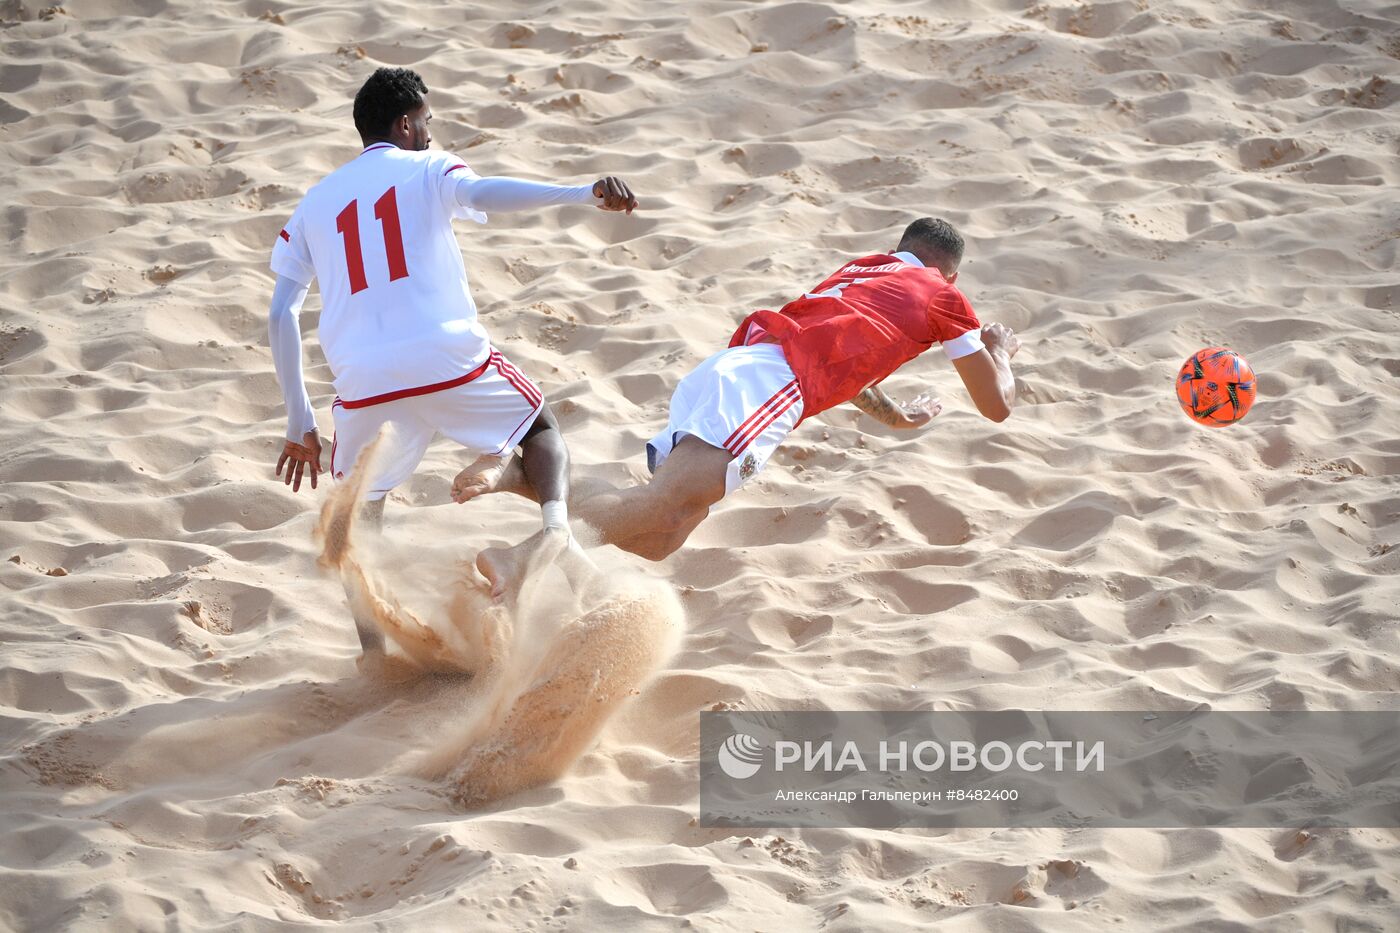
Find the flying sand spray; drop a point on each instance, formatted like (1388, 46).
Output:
(546, 677)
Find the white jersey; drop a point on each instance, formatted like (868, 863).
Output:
(397, 314)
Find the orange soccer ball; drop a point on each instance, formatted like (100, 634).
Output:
(1215, 387)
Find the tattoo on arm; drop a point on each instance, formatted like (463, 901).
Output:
(879, 406)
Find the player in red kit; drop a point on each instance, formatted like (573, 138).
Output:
(835, 344)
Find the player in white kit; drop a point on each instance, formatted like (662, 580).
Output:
(398, 326)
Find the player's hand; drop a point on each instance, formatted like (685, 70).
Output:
(615, 194)
(918, 411)
(999, 335)
(301, 458)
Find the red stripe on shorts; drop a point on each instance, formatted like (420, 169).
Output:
(524, 382)
(756, 431)
(512, 375)
(775, 399)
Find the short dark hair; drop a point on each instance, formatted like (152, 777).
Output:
(936, 236)
(387, 95)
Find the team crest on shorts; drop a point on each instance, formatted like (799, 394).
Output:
(748, 468)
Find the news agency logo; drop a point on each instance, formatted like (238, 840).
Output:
(1046, 768)
(740, 756)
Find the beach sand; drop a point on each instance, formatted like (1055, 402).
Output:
(185, 741)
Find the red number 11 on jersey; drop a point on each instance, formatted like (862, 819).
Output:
(347, 222)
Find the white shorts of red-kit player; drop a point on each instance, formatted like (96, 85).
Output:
(744, 400)
(487, 411)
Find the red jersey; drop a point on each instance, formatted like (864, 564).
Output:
(861, 324)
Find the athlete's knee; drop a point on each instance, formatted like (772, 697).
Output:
(643, 516)
(653, 547)
(677, 522)
(665, 539)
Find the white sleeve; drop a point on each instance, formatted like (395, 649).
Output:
(284, 334)
(290, 255)
(499, 193)
(963, 345)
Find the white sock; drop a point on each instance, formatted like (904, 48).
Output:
(556, 514)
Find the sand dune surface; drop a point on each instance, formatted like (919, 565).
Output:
(185, 741)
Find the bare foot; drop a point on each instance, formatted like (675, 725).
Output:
(480, 478)
(506, 568)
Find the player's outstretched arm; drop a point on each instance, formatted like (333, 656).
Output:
(907, 416)
(500, 193)
(987, 373)
(301, 449)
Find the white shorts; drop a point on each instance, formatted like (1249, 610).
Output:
(487, 413)
(743, 399)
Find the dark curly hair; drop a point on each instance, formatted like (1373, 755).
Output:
(387, 95)
(936, 236)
